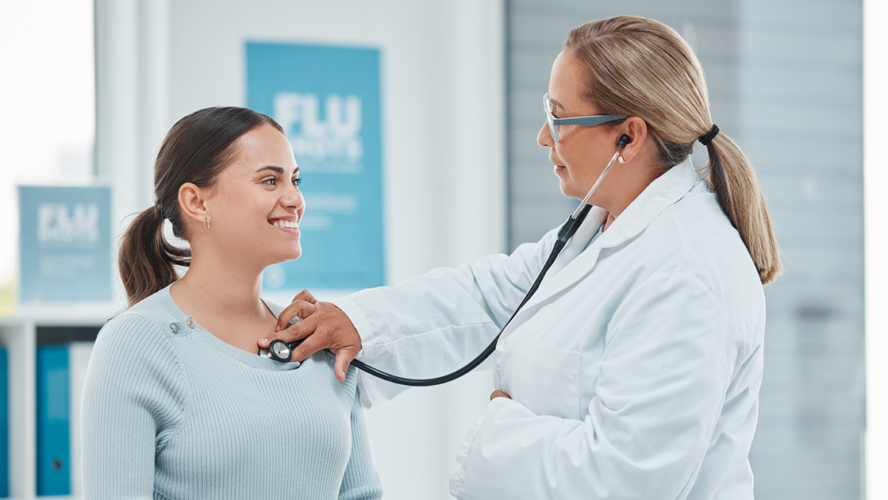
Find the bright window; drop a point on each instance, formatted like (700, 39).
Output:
(47, 94)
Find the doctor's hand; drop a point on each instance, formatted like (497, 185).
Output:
(499, 394)
(323, 326)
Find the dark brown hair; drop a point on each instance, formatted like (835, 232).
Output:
(196, 149)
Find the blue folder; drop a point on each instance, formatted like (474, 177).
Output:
(53, 421)
(4, 423)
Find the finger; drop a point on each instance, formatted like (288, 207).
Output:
(299, 330)
(306, 296)
(499, 394)
(298, 309)
(295, 332)
(311, 345)
(344, 358)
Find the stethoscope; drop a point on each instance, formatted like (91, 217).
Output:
(282, 351)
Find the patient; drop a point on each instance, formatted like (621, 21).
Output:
(177, 403)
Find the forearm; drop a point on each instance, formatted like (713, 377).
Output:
(512, 453)
(423, 328)
(487, 291)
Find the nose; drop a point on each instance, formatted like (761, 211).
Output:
(294, 200)
(544, 138)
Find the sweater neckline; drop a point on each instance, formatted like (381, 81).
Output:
(220, 345)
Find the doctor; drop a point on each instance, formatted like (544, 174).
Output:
(634, 371)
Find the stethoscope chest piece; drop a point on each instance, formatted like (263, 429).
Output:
(279, 350)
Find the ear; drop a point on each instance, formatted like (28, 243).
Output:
(636, 128)
(192, 201)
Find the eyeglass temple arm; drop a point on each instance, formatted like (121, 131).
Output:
(588, 120)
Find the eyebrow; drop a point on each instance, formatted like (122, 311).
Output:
(554, 102)
(277, 170)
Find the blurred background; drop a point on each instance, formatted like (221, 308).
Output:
(90, 87)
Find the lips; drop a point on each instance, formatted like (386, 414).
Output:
(285, 223)
(554, 162)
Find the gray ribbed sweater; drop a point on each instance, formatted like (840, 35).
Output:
(172, 412)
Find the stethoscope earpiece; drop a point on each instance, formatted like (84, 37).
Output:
(624, 140)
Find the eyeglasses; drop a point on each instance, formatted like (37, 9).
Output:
(586, 121)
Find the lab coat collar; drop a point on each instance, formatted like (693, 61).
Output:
(660, 194)
(579, 260)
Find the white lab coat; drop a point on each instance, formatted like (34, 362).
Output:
(634, 371)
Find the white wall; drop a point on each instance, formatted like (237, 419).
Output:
(875, 161)
(442, 104)
(443, 153)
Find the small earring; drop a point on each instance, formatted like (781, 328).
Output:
(621, 159)
(207, 223)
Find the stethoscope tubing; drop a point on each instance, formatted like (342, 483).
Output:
(564, 235)
(480, 358)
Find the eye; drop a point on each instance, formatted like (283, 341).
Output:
(297, 181)
(271, 181)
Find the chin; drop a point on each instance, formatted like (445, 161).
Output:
(287, 256)
(295, 254)
(569, 191)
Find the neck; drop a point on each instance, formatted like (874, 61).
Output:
(632, 182)
(216, 286)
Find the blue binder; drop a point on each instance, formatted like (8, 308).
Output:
(4, 423)
(53, 421)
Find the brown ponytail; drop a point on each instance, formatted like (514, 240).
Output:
(196, 149)
(146, 260)
(640, 67)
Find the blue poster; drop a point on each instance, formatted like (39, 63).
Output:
(65, 244)
(327, 101)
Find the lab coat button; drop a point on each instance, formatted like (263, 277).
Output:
(190, 323)
(174, 327)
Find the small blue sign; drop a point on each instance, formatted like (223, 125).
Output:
(65, 244)
(327, 101)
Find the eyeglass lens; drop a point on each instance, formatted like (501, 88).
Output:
(547, 106)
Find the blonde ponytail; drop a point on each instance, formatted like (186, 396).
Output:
(640, 67)
(734, 182)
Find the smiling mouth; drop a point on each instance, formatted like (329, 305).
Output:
(284, 224)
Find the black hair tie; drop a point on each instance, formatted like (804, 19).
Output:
(706, 139)
(159, 210)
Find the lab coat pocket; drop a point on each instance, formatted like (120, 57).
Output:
(544, 379)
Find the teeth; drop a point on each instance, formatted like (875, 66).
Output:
(286, 223)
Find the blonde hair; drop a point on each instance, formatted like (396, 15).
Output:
(641, 67)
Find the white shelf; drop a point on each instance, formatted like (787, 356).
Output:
(19, 334)
(87, 313)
